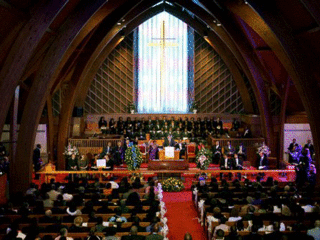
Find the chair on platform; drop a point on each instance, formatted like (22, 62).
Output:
(191, 151)
(143, 151)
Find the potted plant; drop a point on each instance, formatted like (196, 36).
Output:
(131, 108)
(194, 107)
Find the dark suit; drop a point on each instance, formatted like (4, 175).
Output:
(243, 153)
(229, 150)
(36, 159)
(263, 161)
(166, 143)
(217, 153)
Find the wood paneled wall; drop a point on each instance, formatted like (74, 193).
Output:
(215, 89)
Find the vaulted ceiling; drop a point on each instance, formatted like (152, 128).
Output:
(48, 44)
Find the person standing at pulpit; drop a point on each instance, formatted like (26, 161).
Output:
(153, 151)
(242, 152)
(118, 154)
(169, 142)
(229, 149)
(103, 125)
(217, 153)
(262, 161)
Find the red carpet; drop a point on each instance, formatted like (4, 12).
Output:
(182, 216)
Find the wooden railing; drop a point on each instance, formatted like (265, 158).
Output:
(97, 143)
(247, 142)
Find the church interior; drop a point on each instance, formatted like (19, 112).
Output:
(213, 105)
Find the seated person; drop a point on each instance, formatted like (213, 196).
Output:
(262, 161)
(73, 163)
(226, 164)
(235, 125)
(109, 163)
(238, 164)
(77, 225)
(117, 217)
(242, 152)
(103, 125)
(229, 149)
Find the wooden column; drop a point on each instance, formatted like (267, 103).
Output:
(50, 128)
(14, 130)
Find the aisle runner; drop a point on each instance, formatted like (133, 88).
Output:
(182, 216)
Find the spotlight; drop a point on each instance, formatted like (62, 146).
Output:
(218, 24)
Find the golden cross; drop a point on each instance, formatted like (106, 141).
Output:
(163, 44)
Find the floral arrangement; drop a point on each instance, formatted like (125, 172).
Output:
(172, 185)
(203, 158)
(264, 148)
(133, 157)
(70, 150)
(136, 175)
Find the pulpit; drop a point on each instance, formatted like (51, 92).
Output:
(163, 156)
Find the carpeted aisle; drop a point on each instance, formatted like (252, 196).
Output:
(182, 216)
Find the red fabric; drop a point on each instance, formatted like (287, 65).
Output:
(191, 149)
(182, 216)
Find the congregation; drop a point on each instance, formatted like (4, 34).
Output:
(96, 210)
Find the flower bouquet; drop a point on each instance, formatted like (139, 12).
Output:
(203, 158)
(172, 185)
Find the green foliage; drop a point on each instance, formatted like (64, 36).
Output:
(203, 158)
(172, 185)
(129, 158)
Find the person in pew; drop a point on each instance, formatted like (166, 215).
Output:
(48, 218)
(110, 233)
(105, 208)
(117, 217)
(253, 235)
(222, 226)
(55, 227)
(77, 225)
(133, 235)
(155, 234)
(186, 134)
